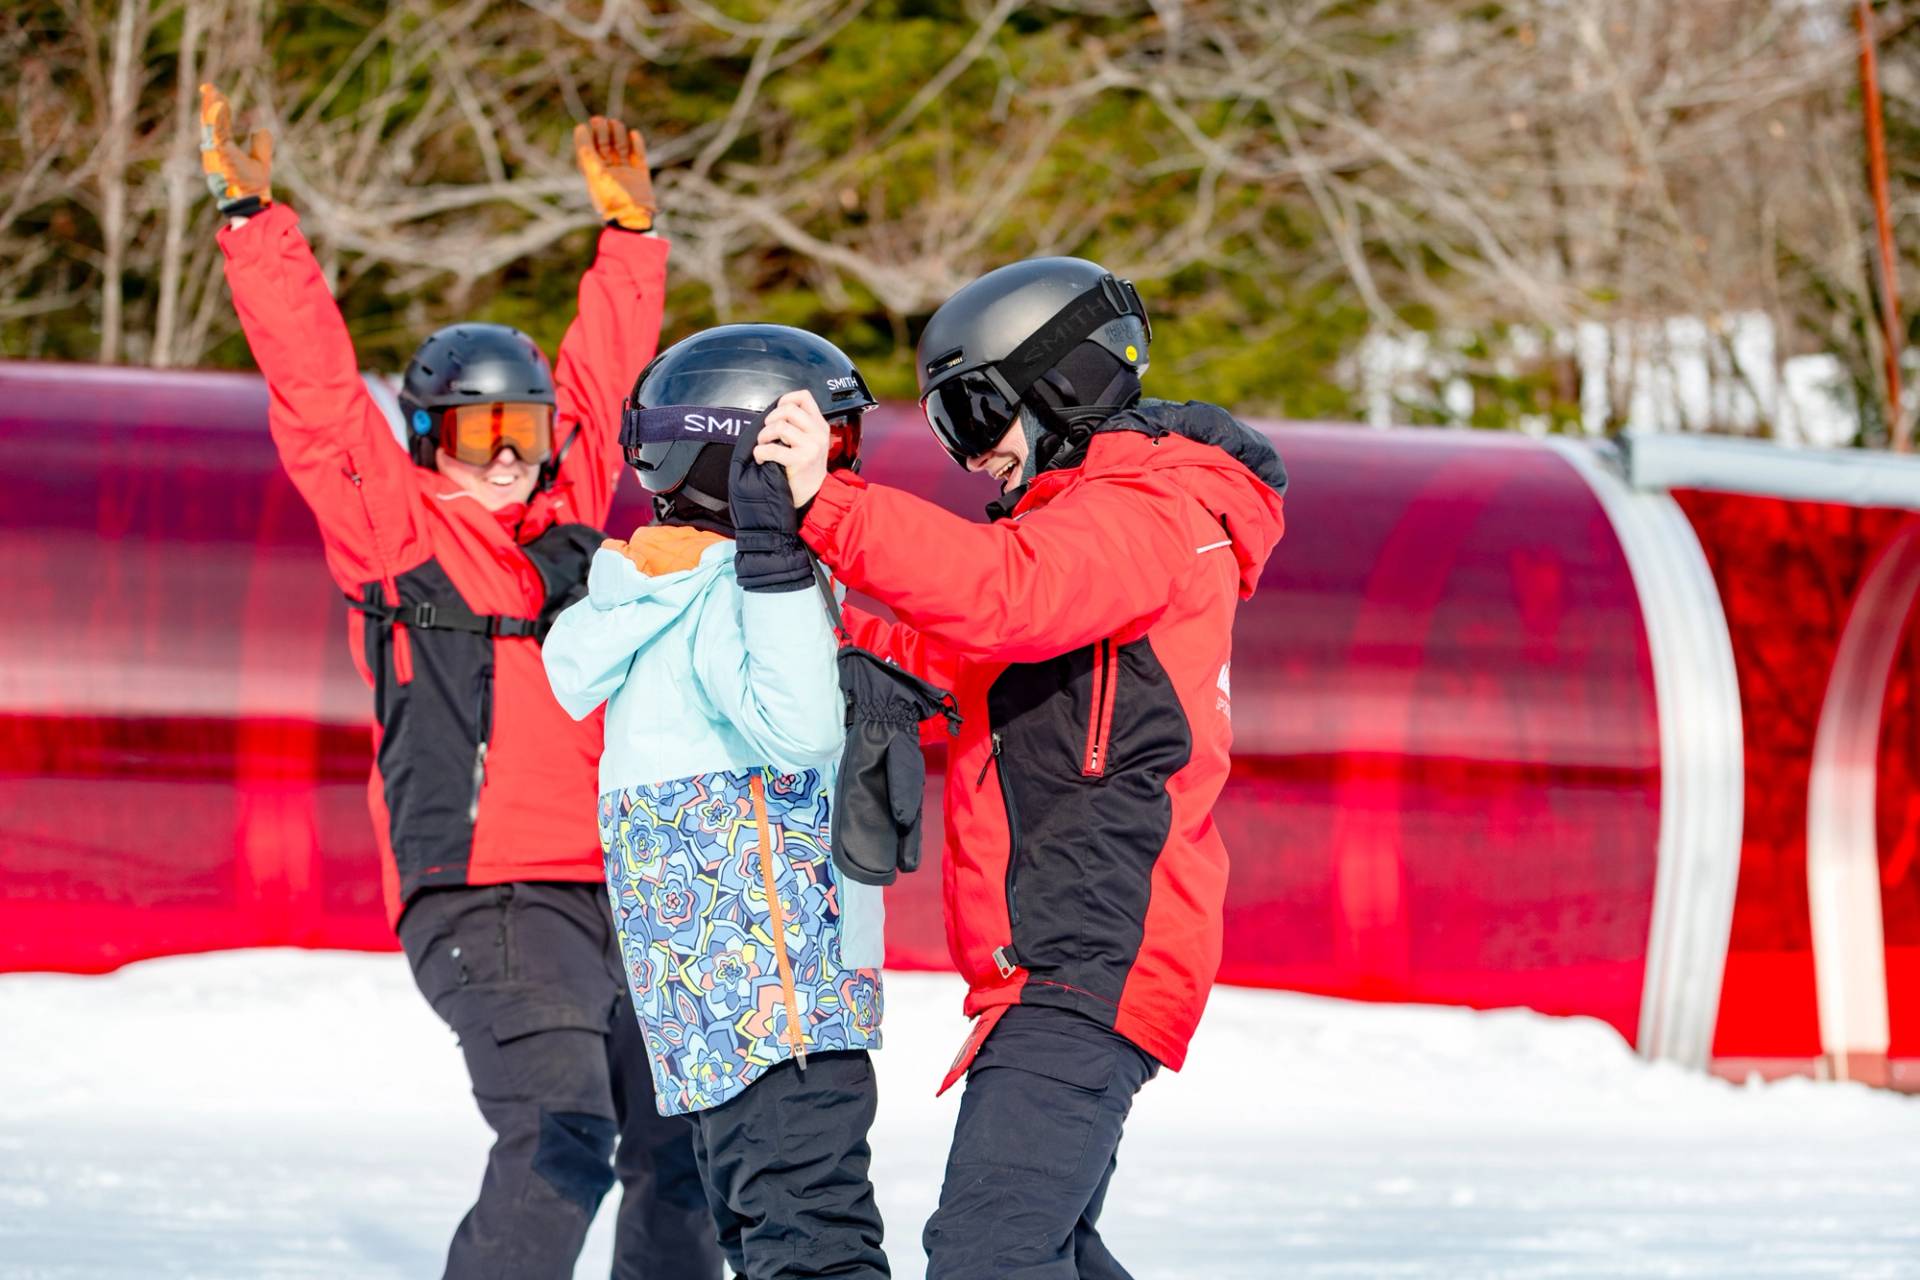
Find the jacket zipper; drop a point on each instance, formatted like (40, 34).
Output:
(1003, 957)
(483, 729)
(479, 780)
(1100, 714)
(777, 918)
(504, 896)
(987, 764)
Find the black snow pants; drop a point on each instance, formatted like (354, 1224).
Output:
(1034, 1150)
(529, 977)
(785, 1165)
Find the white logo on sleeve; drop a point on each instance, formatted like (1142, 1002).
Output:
(1224, 703)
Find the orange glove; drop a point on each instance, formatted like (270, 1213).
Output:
(613, 159)
(238, 179)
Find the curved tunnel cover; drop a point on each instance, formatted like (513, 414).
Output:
(1702, 777)
(1843, 847)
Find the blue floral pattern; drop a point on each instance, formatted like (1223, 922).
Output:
(690, 905)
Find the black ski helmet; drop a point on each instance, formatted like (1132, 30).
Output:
(700, 393)
(469, 364)
(1063, 337)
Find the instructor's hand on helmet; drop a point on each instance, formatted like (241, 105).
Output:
(613, 158)
(238, 179)
(768, 554)
(796, 436)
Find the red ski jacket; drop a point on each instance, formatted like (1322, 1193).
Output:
(479, 777)
(1087, 640)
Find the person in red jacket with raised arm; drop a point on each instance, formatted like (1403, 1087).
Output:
(1086, 634)
(455, 560)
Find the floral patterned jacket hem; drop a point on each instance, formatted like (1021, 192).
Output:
(690, 909)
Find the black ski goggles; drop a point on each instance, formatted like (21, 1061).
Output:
(970, 413)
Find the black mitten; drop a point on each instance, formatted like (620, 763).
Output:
(883, 776)
(768, 554)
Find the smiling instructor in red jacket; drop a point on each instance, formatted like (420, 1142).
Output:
(455, 553)
(1086, 633)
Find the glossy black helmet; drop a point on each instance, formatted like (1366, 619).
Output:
(699, 395)
(1063, 337)
(470, 365)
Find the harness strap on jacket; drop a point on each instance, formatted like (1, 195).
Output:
(429, 615)
(828, 599)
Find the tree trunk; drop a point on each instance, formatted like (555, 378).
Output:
(123, 86)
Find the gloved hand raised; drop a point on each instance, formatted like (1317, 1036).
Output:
(238, 179)
(768, 554)
(613, 159)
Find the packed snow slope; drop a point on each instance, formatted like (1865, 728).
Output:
(268, 1114)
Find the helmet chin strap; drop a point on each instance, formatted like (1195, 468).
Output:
(550, 469)
(698, 510)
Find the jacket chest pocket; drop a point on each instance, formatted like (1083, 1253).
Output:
(1099, 736)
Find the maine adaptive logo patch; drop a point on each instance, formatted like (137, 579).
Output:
(1224, 703)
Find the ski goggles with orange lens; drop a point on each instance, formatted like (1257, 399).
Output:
(843, 452)
(474, 433)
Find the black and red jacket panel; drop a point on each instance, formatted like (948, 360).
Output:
(479, 776)
(1088, 640)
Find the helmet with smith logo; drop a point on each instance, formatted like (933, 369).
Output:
(694, 400)
(1061, 342)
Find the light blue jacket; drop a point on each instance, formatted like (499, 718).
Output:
(708, 686)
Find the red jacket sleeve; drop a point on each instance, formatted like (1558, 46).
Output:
(903, 646)
(613, 335)
(334, 441)
(1104, 554)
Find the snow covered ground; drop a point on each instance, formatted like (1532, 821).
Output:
(285, 1114)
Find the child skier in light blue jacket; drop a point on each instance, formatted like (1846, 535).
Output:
(754, 965)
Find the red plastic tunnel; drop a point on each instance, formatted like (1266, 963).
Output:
(1449, 781)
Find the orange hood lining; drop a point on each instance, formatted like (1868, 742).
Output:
(657, 549)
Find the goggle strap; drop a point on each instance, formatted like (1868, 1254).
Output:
(1044, 348)
(667, 424)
